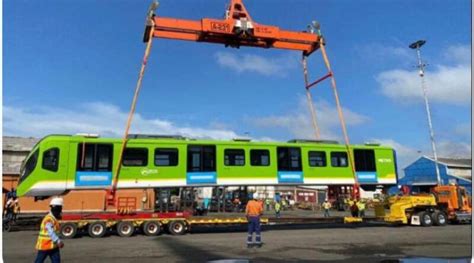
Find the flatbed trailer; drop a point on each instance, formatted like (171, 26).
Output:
(98, 224)
(151, 223)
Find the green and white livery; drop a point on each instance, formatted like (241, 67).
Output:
(59, 163)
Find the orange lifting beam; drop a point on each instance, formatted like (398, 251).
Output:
(236, 30)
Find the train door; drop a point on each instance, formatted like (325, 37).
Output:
(365, 167)
(94, 165)
(201, 168)
(289, 165)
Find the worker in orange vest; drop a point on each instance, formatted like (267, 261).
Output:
(48, 243)
(253, 211)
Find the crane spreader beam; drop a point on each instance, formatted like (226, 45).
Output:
(236, 30)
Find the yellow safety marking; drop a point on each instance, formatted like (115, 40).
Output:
(349, 219)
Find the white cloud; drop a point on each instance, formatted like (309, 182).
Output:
(105, 119)
(298, 122)
(458, 54)
(446, 84)
(450, 149)
(258, 64)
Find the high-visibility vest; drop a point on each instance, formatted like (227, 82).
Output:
(326, 205)
(361, 206)
(254, 208)
(277, 207)
(44, 241)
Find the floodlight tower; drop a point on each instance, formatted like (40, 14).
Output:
(421, 66)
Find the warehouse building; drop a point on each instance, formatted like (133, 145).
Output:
(421, 174)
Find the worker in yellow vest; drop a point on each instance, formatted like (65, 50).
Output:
(48, 243)
(326, 206)
(361, 207)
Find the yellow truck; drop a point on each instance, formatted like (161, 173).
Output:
(445, 203)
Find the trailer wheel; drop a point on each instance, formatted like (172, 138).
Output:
(125, 229)
(97, 229)
(7, 226)
(177, 227)
(425, 218)
(68, 230)
(151, 228)
(439, 218)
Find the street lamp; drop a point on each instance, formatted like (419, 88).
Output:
(421, 66)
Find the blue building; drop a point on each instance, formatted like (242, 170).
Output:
(421, 175)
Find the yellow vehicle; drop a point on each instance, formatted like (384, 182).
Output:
(445, 203)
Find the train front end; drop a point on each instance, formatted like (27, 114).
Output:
(43, 173)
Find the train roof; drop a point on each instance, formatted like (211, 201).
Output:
(177, 139)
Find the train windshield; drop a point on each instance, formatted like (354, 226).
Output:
(29, 165)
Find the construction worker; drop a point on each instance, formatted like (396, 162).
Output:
(361, 208)
(267, 204)
(48, 243)
(353, 207)
(277, 209)
(16, 208)
(326, 207)
(9, 206)
(253, 211)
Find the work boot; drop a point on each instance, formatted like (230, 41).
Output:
(259, 245)
(249, 245)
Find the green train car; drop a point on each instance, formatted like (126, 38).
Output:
(59, 163)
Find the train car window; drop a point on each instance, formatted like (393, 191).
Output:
(339, 159)
(289, 158)
(104, 157)
(51, 160)
(135, 157)
(85, 157)
(259, 157)
(317, 158)
(234, 157)
(201, 158)
(96, 157)
(30, 165)
(364, 160)
(166, 157)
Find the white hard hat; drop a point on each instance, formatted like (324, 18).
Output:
(255, 195)
(56, 201)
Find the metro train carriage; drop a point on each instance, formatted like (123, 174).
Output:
(59, 163)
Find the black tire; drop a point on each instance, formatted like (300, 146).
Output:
(68, 230)
(97, 229)
(151, 228)
(425, 218)
(7, 226)
(125, 229)
(439, 218)
(177, 227)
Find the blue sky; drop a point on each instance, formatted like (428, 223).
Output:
(71, 66)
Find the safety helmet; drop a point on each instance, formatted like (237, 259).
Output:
(56, 201)
(255, 195)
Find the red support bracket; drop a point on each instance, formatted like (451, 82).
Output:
(319, 80)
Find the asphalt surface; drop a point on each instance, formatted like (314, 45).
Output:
(310, 243)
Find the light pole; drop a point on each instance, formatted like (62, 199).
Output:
(421, 66)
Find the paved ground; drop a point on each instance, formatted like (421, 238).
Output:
(335, 243)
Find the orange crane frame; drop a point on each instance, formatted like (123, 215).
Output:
(236, 30)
